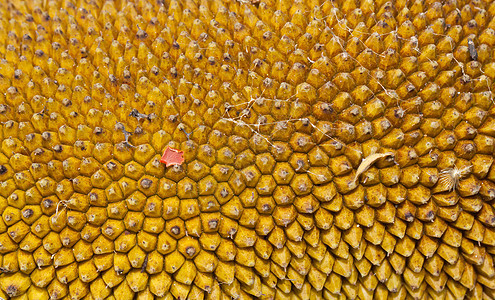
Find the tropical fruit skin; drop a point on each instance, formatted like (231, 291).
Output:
(335, 150)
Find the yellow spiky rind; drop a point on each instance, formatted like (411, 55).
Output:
(333, 149)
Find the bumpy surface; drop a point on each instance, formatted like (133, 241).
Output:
(335, 150)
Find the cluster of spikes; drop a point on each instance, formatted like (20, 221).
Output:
(332, 149)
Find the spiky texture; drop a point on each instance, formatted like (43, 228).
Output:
(332, 149)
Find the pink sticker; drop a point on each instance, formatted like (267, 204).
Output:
(172, 157)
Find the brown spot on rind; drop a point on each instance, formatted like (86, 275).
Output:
(175, 230)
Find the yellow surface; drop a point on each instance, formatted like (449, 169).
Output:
(336, 150)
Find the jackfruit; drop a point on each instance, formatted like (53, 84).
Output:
(322, 149)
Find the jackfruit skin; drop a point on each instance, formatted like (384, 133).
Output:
(276, 106)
